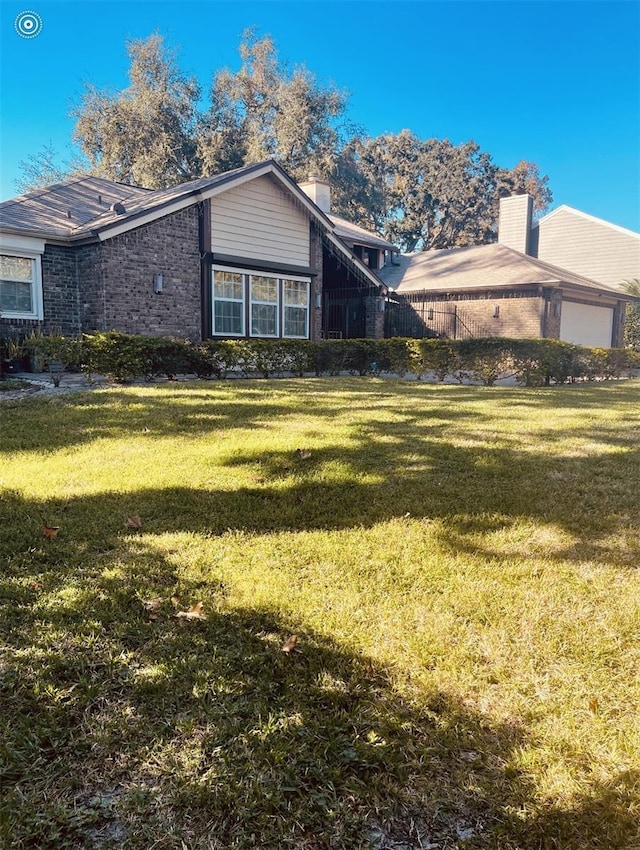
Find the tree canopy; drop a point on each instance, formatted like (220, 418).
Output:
(418, 193)
(145, 134)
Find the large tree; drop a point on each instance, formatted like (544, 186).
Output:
(419, 193)
(144, 134)
(265, 111)
(429, 193)
(46, 167)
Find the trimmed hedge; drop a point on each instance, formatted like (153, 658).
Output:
(532, 362)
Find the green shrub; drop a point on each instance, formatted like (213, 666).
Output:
(117, 355)
(486, 360)
(532, 362)
(439, 356)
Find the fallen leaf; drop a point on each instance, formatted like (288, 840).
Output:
(153, 604)
(291, 644)
(134, 522)
(175, 601)
(194, 613)
(303, 454)
(51, 531)
(594, 705)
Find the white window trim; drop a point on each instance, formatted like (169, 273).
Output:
(272, 304)
(246, 291)
(231, 300)
(37, 313)
(307, 308)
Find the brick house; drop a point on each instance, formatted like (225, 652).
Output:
(501, 290)
(244, 253)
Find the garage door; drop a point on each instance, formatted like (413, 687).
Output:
(583, 324)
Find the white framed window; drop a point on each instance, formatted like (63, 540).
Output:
(20, 285)
(295, 301)
(264, 305)
(228, 303)
(247, 303)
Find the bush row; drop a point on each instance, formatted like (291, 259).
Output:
(487, 360)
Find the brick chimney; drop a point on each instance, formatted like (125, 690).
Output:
(319, 190)
(514, 223)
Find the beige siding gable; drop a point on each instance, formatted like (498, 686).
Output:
(259, 220)
(586, 246)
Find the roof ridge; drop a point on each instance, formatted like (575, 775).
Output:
(589, 216)
(558, 270)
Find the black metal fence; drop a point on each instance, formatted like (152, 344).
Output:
(412, 316)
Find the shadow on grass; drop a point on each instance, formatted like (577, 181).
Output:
(124, 732)
(118, 731)
(197, 408)
(472, 490)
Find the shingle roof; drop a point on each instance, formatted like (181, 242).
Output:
(64, 208)
(353, 233)
(81, 206)
(480, 267)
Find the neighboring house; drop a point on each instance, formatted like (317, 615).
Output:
(587, 245)
(501, 290)
(246, 253)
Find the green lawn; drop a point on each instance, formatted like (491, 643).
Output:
(460, 565)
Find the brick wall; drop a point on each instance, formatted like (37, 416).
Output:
(374, 318)
(90, 288)
(552, 313)
(168, 246)
(60, 291)
(518, 318)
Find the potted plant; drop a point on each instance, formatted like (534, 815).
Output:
(12, 356)
(56, 353)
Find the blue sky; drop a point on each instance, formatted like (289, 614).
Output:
(557, 83)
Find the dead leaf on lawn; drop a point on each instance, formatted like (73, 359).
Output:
(303, 454)
(152, 606)
(175, 601)
(291, 645)
(134, 522)
(51, 531)
(194, 613)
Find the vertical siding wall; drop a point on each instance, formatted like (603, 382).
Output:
(514, 224)
(168, 246)
(257, 220)
(583, 246)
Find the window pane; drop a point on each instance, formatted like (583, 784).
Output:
(227, 317)
(296, 292)
(227, 285)
(295, 321)
(264, 289)
(263, 320)
(16, 268)
(16, 297)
